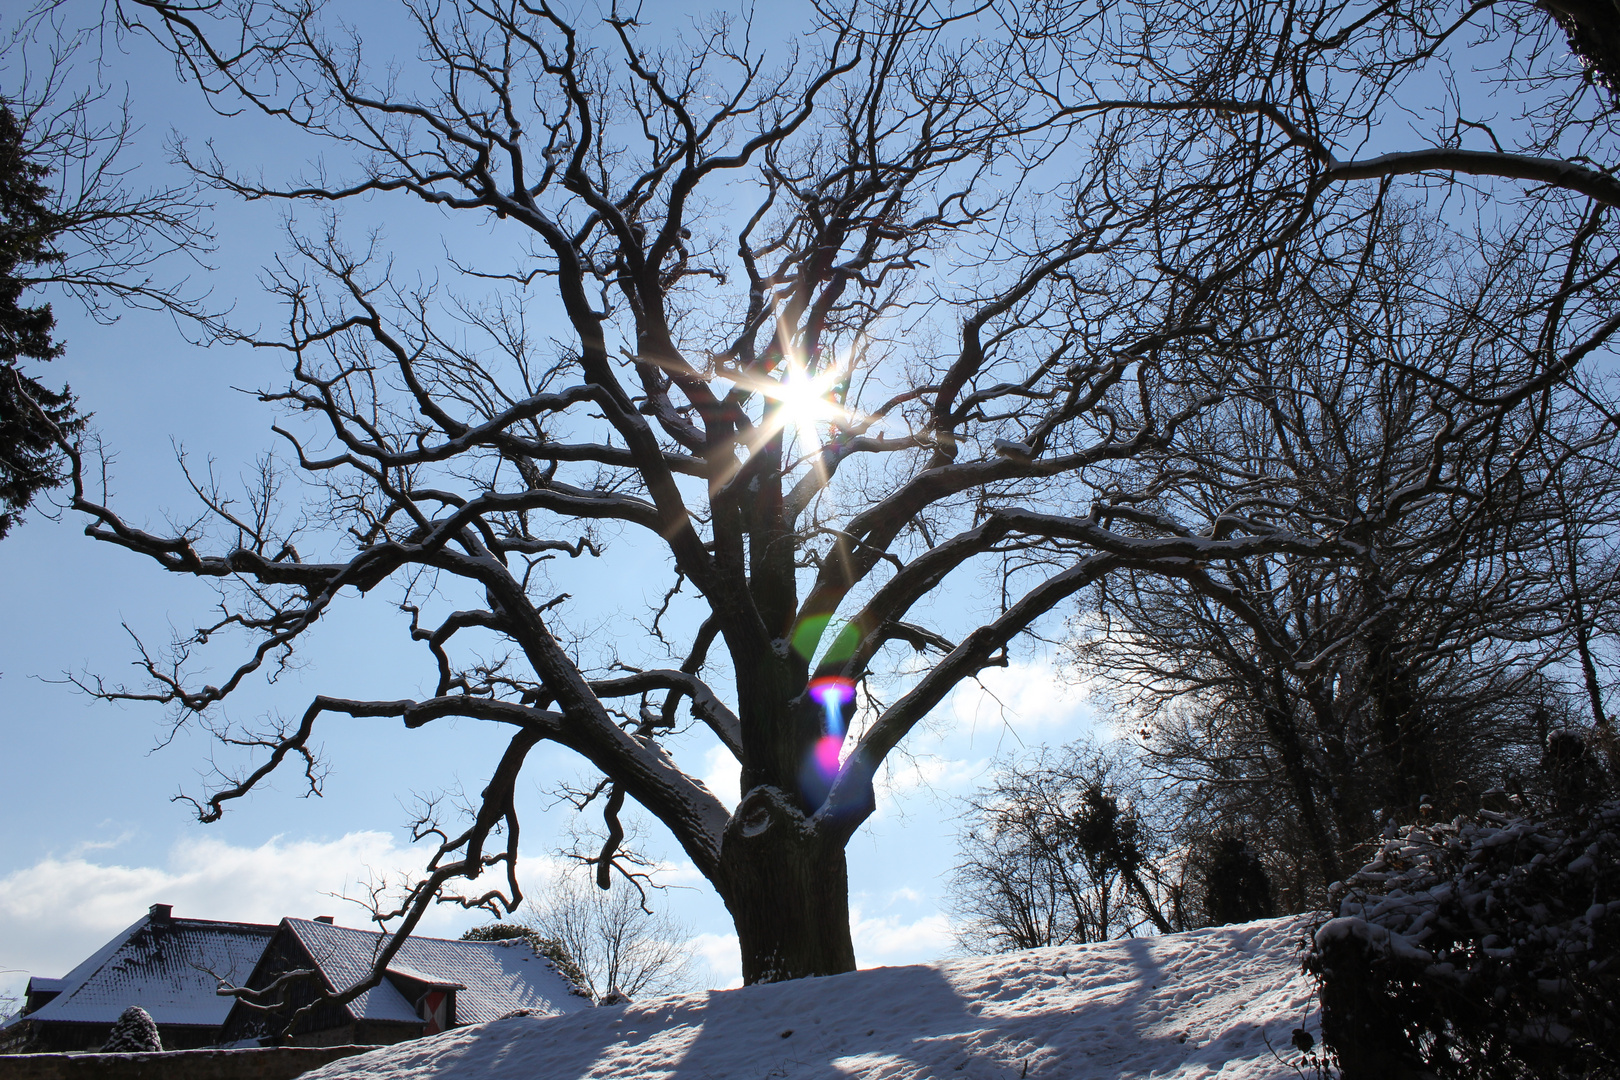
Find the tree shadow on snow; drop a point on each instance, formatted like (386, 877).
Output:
(911, 1020)
(799, 1029)
(914, 1016)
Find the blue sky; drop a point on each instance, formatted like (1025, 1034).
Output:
(93, 837)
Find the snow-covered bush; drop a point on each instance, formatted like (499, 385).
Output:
(1485, 947)
(549, 949)
(134, 1033)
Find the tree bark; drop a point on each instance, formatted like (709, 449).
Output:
(787, 888)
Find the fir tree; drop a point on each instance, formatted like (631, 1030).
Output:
(31, 415)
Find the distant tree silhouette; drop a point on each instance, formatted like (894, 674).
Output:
(1236, 887)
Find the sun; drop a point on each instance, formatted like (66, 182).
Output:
(803, 402)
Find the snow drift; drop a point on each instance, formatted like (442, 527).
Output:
(1218, 1002)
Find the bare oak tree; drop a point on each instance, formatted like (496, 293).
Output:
(954, 303)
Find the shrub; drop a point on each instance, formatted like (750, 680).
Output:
(549, 948)
(1487, 947)
(134, 1033)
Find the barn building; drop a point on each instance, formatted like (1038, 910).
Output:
(431, 985)
(170, 967)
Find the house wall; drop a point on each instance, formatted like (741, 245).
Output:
(271, 1063)
(59, 1037)
(379, 1033)
(367, 1032)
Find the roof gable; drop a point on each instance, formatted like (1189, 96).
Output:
(169, 967)
(494, 977)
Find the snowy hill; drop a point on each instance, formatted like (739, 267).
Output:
(1201, 1004)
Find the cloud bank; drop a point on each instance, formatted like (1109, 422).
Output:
(58, 911)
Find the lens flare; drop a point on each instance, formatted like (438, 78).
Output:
(827, 749)
(832, 693)
(805, 401)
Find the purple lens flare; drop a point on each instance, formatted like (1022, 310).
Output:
(827, 750)
(833, 693)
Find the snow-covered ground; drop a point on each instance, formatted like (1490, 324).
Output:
(1221, 1002)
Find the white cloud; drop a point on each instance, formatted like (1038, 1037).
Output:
(887, 939)
(722, 774)
(1026, 695)
(58, 911)
(122, 838)
(940, 775)
(720, 953)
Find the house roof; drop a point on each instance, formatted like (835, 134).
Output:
(492, 978)
(169, 967)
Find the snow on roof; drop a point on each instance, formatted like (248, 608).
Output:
(383, 1002)
(1223, 1001)
(169, 967)
(494, 977)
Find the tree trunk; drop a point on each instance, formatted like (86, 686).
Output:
(1279, 723)
(787, 888)
(1346, 794)
(1399, 722)
(1594, 690)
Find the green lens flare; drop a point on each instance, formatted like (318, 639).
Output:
(807, 635)
(843, 646)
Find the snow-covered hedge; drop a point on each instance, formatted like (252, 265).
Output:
(1486, 947)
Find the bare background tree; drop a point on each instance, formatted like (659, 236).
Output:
(1423, 676)
(1092, 841)
(624, 948)
(1062, 848)
(999, 302)
(9, 1003)
(1406, 682)
(71, 224)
